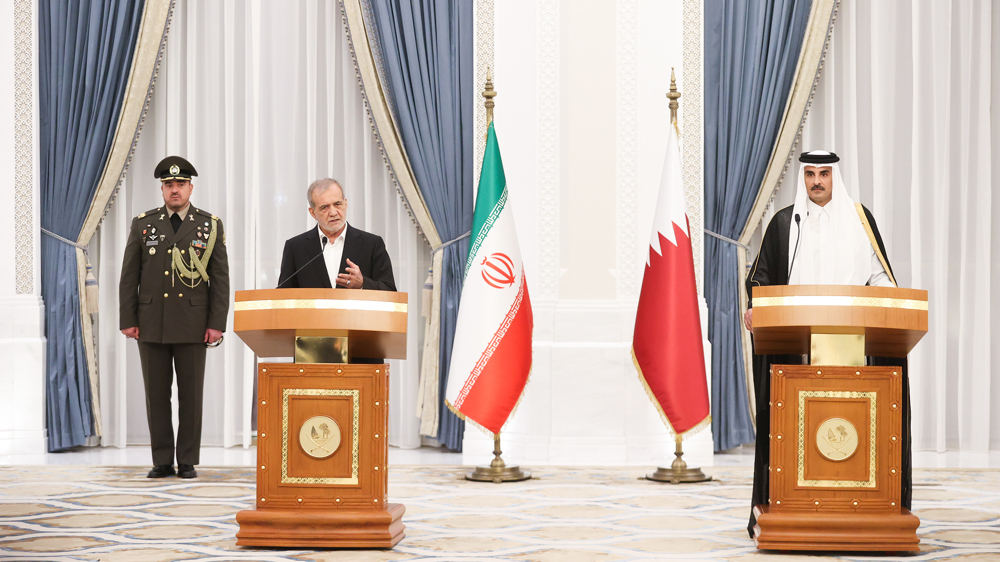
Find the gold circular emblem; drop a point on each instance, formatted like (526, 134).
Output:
(174, 170)
(837, 439)
(319, 437)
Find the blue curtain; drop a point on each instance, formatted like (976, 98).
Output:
(751, 49)
(426, 46)
(84, 57)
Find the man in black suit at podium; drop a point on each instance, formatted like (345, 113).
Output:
(352, 258)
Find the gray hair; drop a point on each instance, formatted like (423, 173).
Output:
(320, 186)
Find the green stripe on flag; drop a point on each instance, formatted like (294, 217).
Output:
(491, 195)
(485, 230)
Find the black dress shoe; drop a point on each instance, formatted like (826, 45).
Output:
(186, 471)
(161, 471)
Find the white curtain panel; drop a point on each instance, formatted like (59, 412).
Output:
(263, 98)
(905, 100)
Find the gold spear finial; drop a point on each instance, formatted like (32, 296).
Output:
(489, 93)
(673, 95)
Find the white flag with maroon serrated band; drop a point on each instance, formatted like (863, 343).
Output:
(667, 345)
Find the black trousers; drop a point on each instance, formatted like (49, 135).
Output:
(159, 360)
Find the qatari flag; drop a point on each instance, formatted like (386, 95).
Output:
(667, 345)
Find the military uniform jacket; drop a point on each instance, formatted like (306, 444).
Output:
(154, 297)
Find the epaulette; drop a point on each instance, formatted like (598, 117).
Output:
(206, 213)
(149, 212)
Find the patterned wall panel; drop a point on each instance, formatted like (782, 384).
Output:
(692, 129)
(484, 60)
(548, 148)
(24, 205)
(627, 149)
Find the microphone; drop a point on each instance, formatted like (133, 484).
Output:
(798, 237)
(322, 249)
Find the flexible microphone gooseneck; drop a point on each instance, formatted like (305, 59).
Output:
(798, 237)
(322, 249)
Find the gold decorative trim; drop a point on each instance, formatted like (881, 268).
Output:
(872, 397)
(871, 238)
(382, 121)
(356, 407)
(827, 300)
(150, 47)
(322, 304)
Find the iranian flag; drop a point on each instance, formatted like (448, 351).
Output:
(491, 357)
(667, 345)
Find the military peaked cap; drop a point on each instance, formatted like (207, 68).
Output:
(174, 168)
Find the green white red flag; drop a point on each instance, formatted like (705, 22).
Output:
(667, 343)
(491, 356)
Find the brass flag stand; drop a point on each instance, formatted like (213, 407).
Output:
(497, 472)
(678, 473)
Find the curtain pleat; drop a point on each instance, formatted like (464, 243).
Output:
(818, 32)
(751, 55)
(425, 50)
(263, 98)
(908, 99)
(85, 55)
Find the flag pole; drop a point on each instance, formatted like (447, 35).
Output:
(497, 472)
(678, 473)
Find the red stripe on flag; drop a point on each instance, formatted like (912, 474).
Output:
(667, 343)
(496, 383)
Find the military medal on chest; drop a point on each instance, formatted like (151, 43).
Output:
(149, 235)
(190, 266)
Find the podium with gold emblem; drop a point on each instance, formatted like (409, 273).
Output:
(322, 420)
(836, 424)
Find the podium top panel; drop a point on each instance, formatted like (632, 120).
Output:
(892, 320)
(268, 320)
(299, 298)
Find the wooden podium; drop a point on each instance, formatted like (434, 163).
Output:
(321, 427)
(836, 438)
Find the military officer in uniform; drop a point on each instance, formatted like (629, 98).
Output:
(174, 294)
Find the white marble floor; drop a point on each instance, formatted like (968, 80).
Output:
(138, 455)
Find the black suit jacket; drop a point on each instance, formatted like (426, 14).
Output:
(366, 250)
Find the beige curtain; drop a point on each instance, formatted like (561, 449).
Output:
(387, 132)
(820, 27)
(142, 76)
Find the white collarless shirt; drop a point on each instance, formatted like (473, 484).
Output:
(816, 257)
(333, 253)
(819, 241)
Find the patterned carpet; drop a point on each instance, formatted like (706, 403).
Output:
(57, 513)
